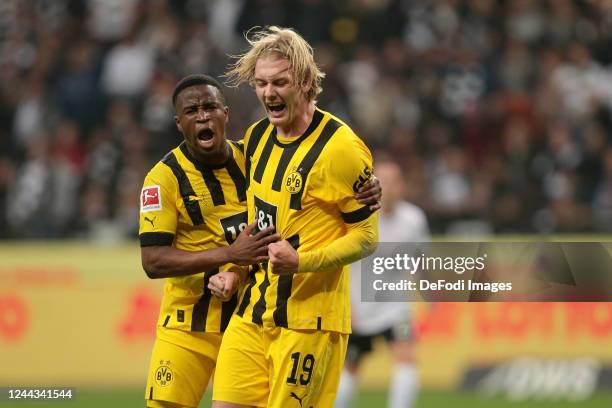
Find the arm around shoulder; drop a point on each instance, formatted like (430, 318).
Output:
(167, 261)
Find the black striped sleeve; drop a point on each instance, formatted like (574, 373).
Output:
(357, 215)
(156, 239)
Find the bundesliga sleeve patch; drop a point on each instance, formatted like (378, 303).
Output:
(150, 199)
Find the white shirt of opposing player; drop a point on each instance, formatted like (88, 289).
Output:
(407, 223)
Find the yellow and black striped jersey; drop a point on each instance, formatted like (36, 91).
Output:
(194, 207)
(305, 187)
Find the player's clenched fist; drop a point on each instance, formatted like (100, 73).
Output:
(283, 257)
(223, 285)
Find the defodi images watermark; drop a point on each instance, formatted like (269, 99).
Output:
(488, 271)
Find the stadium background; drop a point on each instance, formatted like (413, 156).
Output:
(498, 112)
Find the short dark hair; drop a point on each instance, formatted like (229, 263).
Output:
(192, 80)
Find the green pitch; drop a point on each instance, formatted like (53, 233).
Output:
(372, 399)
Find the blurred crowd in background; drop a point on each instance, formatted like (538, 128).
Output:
(499, 112)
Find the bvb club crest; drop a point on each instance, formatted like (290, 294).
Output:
(293, 183)
(164, 375)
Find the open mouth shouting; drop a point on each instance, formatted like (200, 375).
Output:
(205, 137)
(276, 109)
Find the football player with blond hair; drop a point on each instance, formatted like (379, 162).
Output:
(286, 343)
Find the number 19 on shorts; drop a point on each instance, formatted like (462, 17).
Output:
(301, 369)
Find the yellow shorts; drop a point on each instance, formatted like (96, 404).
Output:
(181, 365)
(278, 367)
